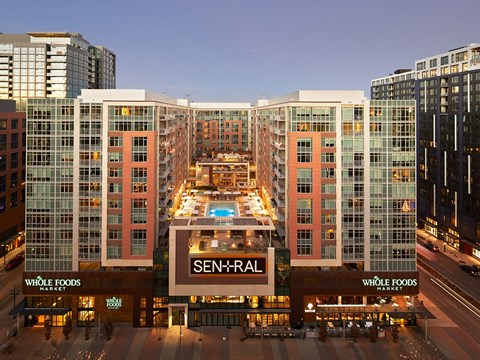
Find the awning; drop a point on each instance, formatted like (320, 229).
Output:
(247, 311)
(403, 315)
(20, 309)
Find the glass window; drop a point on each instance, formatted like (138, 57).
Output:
(304, 181)
(304, 242)
(304, 150)
(304, 211)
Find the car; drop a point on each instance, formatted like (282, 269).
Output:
(469, 269)
(431, 246)
(13, 263)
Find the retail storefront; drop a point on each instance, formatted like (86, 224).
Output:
(223, 272)
(337, 296)
(122, 296)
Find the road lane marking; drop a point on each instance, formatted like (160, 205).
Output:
(457, 297)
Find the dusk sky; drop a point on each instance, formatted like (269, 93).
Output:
(224, 50)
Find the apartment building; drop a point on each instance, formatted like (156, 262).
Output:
(339, 172)
(12, 176)
(52, 65)
(117, 219)
(221, 128)
(447, 93)
(103, 172)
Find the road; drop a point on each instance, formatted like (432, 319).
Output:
(7, 280)
(457, 325)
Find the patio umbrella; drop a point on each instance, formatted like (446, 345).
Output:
(208, 192)
(194, 191)
(236, 193)
(216, 193)
(228, 193)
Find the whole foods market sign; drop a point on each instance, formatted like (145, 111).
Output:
(394, 284)
(48, 284)
(227, 266)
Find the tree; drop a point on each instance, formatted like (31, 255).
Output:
(48, 330)
(88, 328)
(67, 327)
(322, 331)
(374, 331)
(395, 334)
(108, 328)
(354, 331)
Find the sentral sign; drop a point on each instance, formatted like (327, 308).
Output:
(392, 284)
(228, 266)
(49, 284)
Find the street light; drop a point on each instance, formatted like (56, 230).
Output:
(14, 292)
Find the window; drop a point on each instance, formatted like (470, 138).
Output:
(13, 200)
(115, 141)
(114, 188)
(115, 172)
(329, 251)
(13, 160)
(328, 157)
(328, 219)
(328, 142)
(328, 173)
(304, 211)
(115, 157)
(304, 242)
(304, 150)
(3, 142)
(138, 242)
(139, 180)
(139, 211)
(13, 180)
(328, 188)
(3, 204)
(304, 181)
(3, 183)
(3, 163)
(139, 149)
(14, 141)
(114, 234)
(328, 234)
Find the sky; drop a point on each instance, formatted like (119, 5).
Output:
(239, 51)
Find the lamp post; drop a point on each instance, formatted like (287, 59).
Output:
(14, 292)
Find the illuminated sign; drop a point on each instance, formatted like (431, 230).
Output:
(114, 303)
(310, 308)
(44, 284)
(389, 284)
(227, 266)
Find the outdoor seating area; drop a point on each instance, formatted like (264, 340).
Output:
(233, 242)
(194, 202)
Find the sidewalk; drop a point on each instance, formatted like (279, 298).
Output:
(447, 250)
(214, 342)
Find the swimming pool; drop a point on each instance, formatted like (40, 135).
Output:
(222, 209)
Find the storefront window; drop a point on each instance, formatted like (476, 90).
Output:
(86, 309)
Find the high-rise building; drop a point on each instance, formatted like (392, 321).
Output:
(339, 172)
(12, 176)
(52, 65)
(447, 92)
